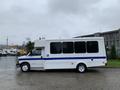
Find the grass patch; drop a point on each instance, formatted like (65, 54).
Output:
(113, 63)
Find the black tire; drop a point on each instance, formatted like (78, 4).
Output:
(25, 67)
(81, 68)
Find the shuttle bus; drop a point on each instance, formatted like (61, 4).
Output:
(75, 53)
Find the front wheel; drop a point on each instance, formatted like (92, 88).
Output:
(25, 67)
(81, 68)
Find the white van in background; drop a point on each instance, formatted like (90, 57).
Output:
(76, 53)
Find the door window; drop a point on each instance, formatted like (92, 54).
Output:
(36, 52)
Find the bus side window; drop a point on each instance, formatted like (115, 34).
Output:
(92, 47)
(68, 47)
(80, 47)
(55, 48)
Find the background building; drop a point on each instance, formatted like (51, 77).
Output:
(111, 38)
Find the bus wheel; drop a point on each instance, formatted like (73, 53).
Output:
(25, 67)
(81, 68)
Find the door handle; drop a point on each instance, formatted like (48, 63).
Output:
(91, 59)
(41, 57)
(47, 55)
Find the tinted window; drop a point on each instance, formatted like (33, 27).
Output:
(80, 47)
(92, 46)
(35, 52)
(55, 48)
(68, 47)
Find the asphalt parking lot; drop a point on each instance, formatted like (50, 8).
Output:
(94, 79)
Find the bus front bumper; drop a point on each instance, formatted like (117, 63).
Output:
(17, 65)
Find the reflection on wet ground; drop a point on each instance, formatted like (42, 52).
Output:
(94, 79)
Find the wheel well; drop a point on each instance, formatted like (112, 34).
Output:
(81, 64)
(24, 63)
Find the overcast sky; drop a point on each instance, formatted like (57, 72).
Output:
(20, 19)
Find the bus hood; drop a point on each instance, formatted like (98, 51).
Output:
(21, 57)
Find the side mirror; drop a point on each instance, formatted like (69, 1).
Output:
(31, 54)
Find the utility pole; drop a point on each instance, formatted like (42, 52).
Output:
(7, 42)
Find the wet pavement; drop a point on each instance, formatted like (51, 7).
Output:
(94, 79)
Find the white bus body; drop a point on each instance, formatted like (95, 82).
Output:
(66, 54)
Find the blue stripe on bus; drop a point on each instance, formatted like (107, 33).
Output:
(63, 58)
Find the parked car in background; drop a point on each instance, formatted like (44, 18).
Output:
(10, 52)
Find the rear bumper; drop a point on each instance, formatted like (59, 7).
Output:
(99, 66)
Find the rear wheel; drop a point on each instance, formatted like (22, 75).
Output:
(25, 67)
(81, 68)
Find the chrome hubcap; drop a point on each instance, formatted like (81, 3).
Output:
(24, 67)
(81, 68)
